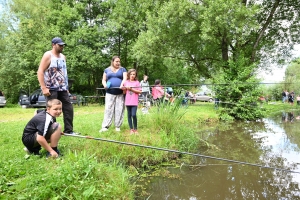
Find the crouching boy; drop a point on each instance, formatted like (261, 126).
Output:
(43, 129)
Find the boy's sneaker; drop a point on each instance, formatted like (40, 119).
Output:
(118, 129)
(103, 130)
(29, 152)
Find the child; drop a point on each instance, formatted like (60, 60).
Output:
(158, 92)
(145, 87)
(133, 90)
(43, 129)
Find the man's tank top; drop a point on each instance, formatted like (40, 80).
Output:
(55, 76)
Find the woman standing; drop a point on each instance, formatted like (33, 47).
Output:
(113, 78)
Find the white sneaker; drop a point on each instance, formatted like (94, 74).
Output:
(103, 130)
(27, 151)
(118, 129)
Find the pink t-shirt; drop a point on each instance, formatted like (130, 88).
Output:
(157, 92)
(132, 98)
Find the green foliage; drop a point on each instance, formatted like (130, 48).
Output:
(178, 41)
(290, 82)
(168, 116)
(239, 98)
(292, 77)
(93, 169)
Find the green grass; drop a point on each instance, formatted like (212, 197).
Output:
(92, 169)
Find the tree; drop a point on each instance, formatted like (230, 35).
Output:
(292, 76)
(197, 38)
(33, 25)
(209, 35)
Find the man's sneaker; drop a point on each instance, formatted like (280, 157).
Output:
(103, 130)
(118, 129)
(73, 133)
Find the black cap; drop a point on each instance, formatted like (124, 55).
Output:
(58, 40)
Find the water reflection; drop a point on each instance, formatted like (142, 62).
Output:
(270, 142)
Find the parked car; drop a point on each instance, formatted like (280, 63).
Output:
(203, 97)
(2, 100)
(37, 99)
(34, 100)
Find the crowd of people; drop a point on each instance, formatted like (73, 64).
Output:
(118, 82)
(289, 97)
(122, 90)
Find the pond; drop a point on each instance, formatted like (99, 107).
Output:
(273, 143)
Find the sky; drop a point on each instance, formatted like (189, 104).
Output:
(278, 73)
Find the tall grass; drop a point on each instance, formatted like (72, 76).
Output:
(93, 169)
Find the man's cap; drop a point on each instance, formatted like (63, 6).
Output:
(58, 40)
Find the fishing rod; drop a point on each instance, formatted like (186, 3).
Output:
(191, 98)
(176, 151)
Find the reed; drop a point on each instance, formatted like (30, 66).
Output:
(93, 169)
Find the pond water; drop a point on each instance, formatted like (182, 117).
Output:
(271, 142)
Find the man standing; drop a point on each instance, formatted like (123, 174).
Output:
(53, 79)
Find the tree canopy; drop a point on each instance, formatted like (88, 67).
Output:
(178, 41)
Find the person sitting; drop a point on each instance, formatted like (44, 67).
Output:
(158, 93)
(43, 129)
(170, 91)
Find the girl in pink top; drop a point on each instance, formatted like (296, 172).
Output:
(158, 92)
(133, 89)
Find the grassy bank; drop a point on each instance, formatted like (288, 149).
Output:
(93, 169)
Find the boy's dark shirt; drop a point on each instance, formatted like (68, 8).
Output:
(40, 124)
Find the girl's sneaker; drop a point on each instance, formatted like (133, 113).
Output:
(131, 131)
(135, 131)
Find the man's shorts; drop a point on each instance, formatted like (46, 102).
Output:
(30, 140)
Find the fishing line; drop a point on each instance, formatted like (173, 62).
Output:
(200, 84)
(176, 151)
(190, 98)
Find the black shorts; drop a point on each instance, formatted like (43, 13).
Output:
(30, 142)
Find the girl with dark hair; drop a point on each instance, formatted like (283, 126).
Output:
(133, 90)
